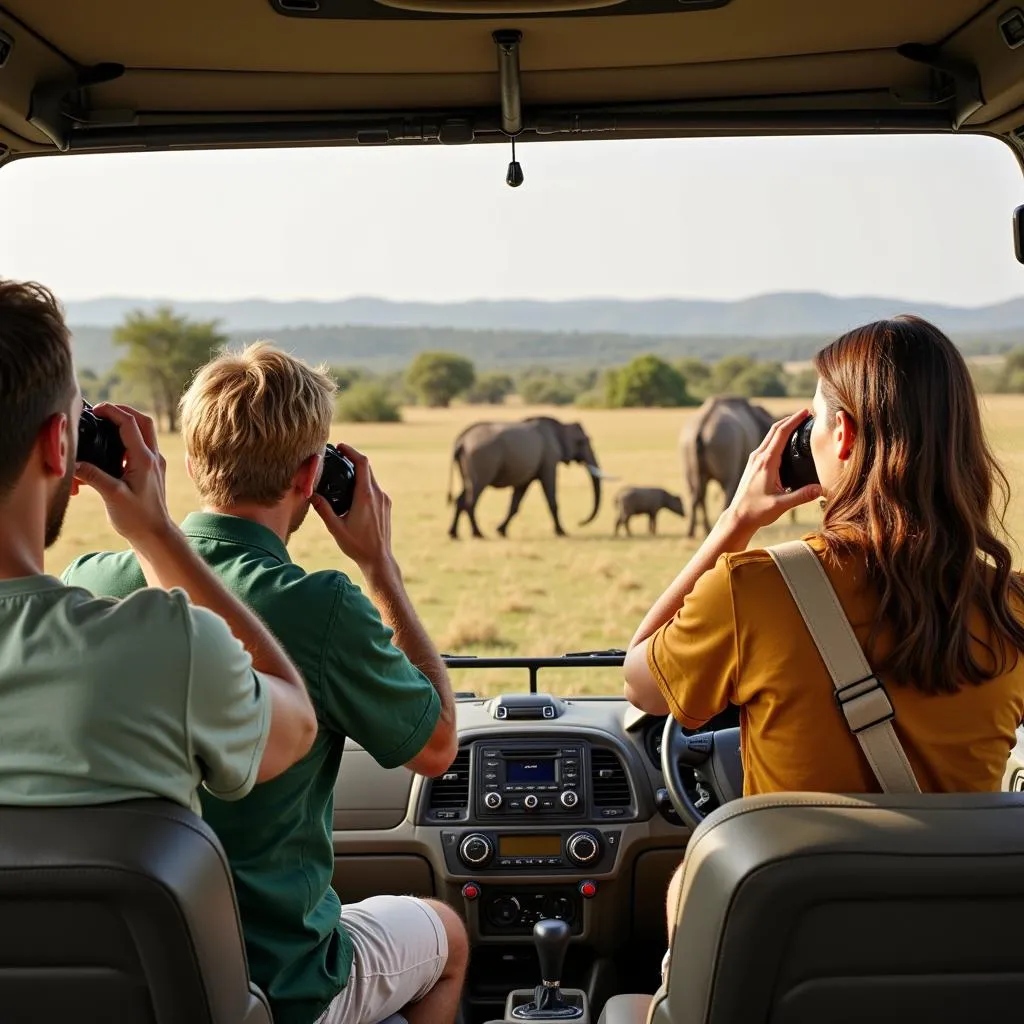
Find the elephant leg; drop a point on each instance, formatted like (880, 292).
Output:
(625, 523)
(652, 525)
(618, 524)
(704, 512)
(459, 509)
(696, 504)
(466, 503)
(547, 481)
(471, 512)
(517, 497)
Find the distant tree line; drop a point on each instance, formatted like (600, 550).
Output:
(438, 378)
(160, 352)
(1001, 378)
(386, 350)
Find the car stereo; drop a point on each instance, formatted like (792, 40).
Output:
(529, 778)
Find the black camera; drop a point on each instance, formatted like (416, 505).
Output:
(99, 442)
(797, 468)
(337, 481)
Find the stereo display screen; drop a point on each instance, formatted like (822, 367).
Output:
(529, 846)
(530, 769)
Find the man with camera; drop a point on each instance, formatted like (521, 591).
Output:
(256, 428)
(104, 701)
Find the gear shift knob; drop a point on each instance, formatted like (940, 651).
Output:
(551, 937)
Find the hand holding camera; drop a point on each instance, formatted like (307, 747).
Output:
(118, 456)
(354, 508)
(780, 475)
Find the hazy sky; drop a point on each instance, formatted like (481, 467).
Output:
(924, 218)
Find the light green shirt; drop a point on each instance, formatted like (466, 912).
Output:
(103, 700)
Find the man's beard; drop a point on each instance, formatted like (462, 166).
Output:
(56, 512)
(299, 518)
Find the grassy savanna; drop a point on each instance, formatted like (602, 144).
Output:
(533, 593)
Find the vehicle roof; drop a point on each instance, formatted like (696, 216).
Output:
(119, 74)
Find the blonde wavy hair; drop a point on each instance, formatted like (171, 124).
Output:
(250, 419)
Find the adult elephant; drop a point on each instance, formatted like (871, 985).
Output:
(514, 455)
(716, 444)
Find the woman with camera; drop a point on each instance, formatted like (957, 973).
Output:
(911, 544)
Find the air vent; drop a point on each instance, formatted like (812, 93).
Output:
(608, 779)
(449, 794)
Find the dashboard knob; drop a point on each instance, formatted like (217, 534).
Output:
(569, 798)
(583, 847)
(530, 802)
(504, 911)
(492, 801)
(475, 850)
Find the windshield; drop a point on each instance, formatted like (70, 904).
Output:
(621, 285)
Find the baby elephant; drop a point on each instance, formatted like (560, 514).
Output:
(648, 501)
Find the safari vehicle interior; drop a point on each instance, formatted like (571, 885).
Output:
(573, 811)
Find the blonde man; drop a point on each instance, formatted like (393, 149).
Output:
(255, 426)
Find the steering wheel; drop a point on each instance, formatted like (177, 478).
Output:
(702, 771)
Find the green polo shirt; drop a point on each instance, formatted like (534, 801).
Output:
(279, 838)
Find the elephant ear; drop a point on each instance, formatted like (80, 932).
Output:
(567, 439)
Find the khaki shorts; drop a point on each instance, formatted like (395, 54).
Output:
(399, 949)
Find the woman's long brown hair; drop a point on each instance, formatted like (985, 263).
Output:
(919, 498)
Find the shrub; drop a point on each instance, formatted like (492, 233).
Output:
(546, 389)
(367, 402)
(762, 380)
(491, 388)
(647, 381)
(437, 377)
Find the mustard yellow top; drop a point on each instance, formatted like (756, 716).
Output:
(739, 638)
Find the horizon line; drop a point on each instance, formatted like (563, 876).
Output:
(440, 303)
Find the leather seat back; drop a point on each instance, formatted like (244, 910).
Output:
(806, 908)
(123, 913)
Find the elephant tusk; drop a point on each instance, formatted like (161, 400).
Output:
(600, 473)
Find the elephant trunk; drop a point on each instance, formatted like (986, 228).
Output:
(595, 477)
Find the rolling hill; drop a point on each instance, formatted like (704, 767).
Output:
(381, 334)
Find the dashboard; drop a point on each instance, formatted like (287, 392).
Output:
(552, 808)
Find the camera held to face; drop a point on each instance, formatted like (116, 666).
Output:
(99, 442)
(797, 468)
(337, 481)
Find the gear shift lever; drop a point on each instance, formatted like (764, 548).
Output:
(551, 938)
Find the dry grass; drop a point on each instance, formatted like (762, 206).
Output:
(533, 593)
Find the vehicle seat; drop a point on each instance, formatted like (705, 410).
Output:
(805, 908)
(124, 912)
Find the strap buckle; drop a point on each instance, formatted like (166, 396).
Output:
(864, 703)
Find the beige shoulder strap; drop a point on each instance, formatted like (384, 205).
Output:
(859, 693)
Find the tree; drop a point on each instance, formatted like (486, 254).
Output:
(346, 376)
(491, 388)
(546, 388)
(89, 383)
(802, 384)
(163, 352)
(697, 375)
(647, 381)
(761, 380)
(437, 377)
(726, 370)
(367, 402)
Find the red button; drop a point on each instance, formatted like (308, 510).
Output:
(588, 890)
(471, 890)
